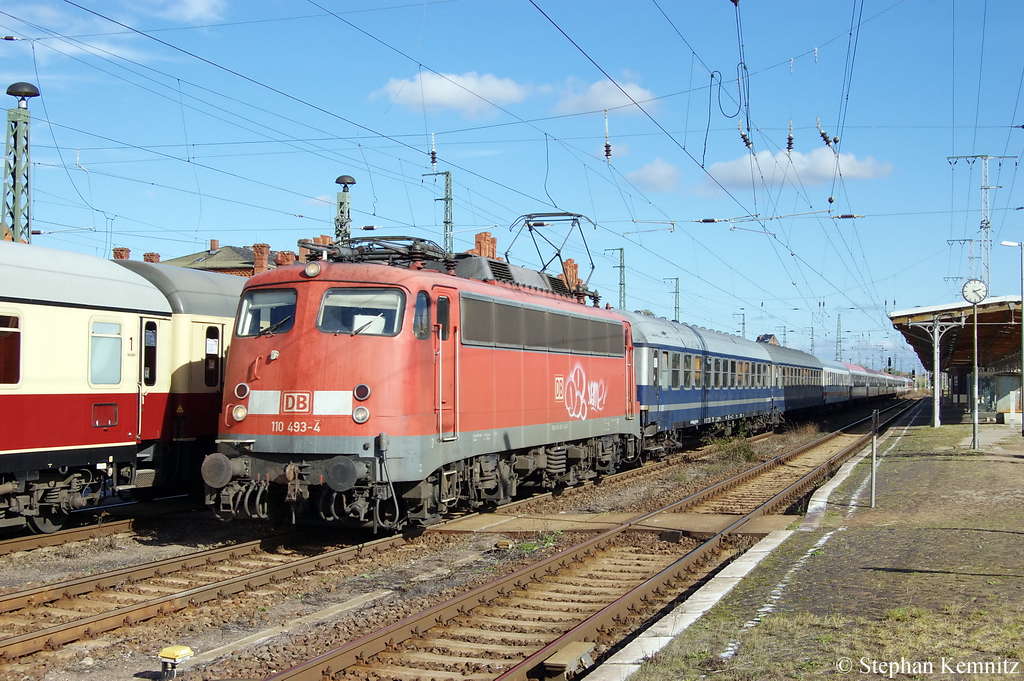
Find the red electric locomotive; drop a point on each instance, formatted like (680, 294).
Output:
(388, 383)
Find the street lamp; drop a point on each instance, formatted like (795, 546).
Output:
(1020, 244)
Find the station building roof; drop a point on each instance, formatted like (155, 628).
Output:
(999, 329)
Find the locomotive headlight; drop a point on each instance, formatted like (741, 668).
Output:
(360, 414)
(239, 412)
(241, 391)
(361, 392)
(313, 268)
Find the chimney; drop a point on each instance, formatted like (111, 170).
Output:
(214, 244)
(303, 253)
(571, 274)
(486, 246)
(285, 258)
(261, 258)
(122, 253)
(151, 257)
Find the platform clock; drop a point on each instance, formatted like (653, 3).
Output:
(975, 291)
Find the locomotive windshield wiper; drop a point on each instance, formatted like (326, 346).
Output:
(367, 324)
(273, 327)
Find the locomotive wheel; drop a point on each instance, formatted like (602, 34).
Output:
(47, 523)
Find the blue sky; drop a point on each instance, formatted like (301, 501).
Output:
(166, 123)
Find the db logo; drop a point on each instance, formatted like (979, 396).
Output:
(296, 403)
(559, 388)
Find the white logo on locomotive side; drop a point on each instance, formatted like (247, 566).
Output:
(582, 395)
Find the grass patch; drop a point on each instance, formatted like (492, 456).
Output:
(730, 450)
(807, 645)
(541, 541)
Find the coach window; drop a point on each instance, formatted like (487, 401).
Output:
(698, 362)
(149, 353)
(266, 312)
(676, 376)
(718, 372)
(421, 320)
(732, 373)
(105, 354)
(444, 316)
(211, 363)
(687, 371)
(664, 370)
(10, 349)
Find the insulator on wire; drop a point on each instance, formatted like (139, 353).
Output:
(607, 140)
(789, 140)
(824, 135)
(746, 140)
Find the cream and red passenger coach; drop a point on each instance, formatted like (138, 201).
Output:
(110, 377)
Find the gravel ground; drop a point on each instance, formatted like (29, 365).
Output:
(430, 568)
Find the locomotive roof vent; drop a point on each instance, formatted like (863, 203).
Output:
(485, 269)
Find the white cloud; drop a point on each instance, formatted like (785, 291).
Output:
(658, 176)
(181, 10)
(817, 167)
(602, 95)
(464, 93)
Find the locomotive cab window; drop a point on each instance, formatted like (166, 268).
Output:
(105, 353)
(444, 316)
(361, 312)
(10, 349)
(266, 312)
(421, 318)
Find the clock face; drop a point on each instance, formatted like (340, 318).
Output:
(975, 291)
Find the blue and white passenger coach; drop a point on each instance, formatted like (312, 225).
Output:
(688, 377)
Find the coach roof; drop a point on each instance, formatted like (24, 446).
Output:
(191, 291)
(49, 276)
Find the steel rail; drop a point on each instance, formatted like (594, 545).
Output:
(37, 541)
(592, 627)
(361, 649)
(55, 636)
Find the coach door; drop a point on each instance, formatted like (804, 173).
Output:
(151, 418)
(195, 412)
(630, 375)
(446, 363)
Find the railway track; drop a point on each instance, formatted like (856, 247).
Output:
(38, 541)
(547, 620)
(56, 614)
(530, 608)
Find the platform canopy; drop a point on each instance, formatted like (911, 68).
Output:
(999, 328)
